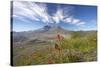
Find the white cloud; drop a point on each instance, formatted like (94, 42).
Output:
(68, 20)
(38, 12)
(20, 18)
(75, 21)
(30, 10)
(56, 19)
(72, 20)
(81, 23)
(58, 16)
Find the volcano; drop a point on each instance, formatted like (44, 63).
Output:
(46, 32)
(51, 30)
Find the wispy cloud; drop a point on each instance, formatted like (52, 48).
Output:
(81, 23)
(38, 12)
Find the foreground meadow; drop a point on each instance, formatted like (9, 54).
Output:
(80, 47)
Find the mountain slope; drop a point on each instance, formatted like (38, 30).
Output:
(45, 32)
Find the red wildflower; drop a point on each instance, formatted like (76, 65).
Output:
(50, 61)
(59, 37)
(57, 46)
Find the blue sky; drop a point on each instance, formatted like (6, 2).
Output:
(31, 16)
